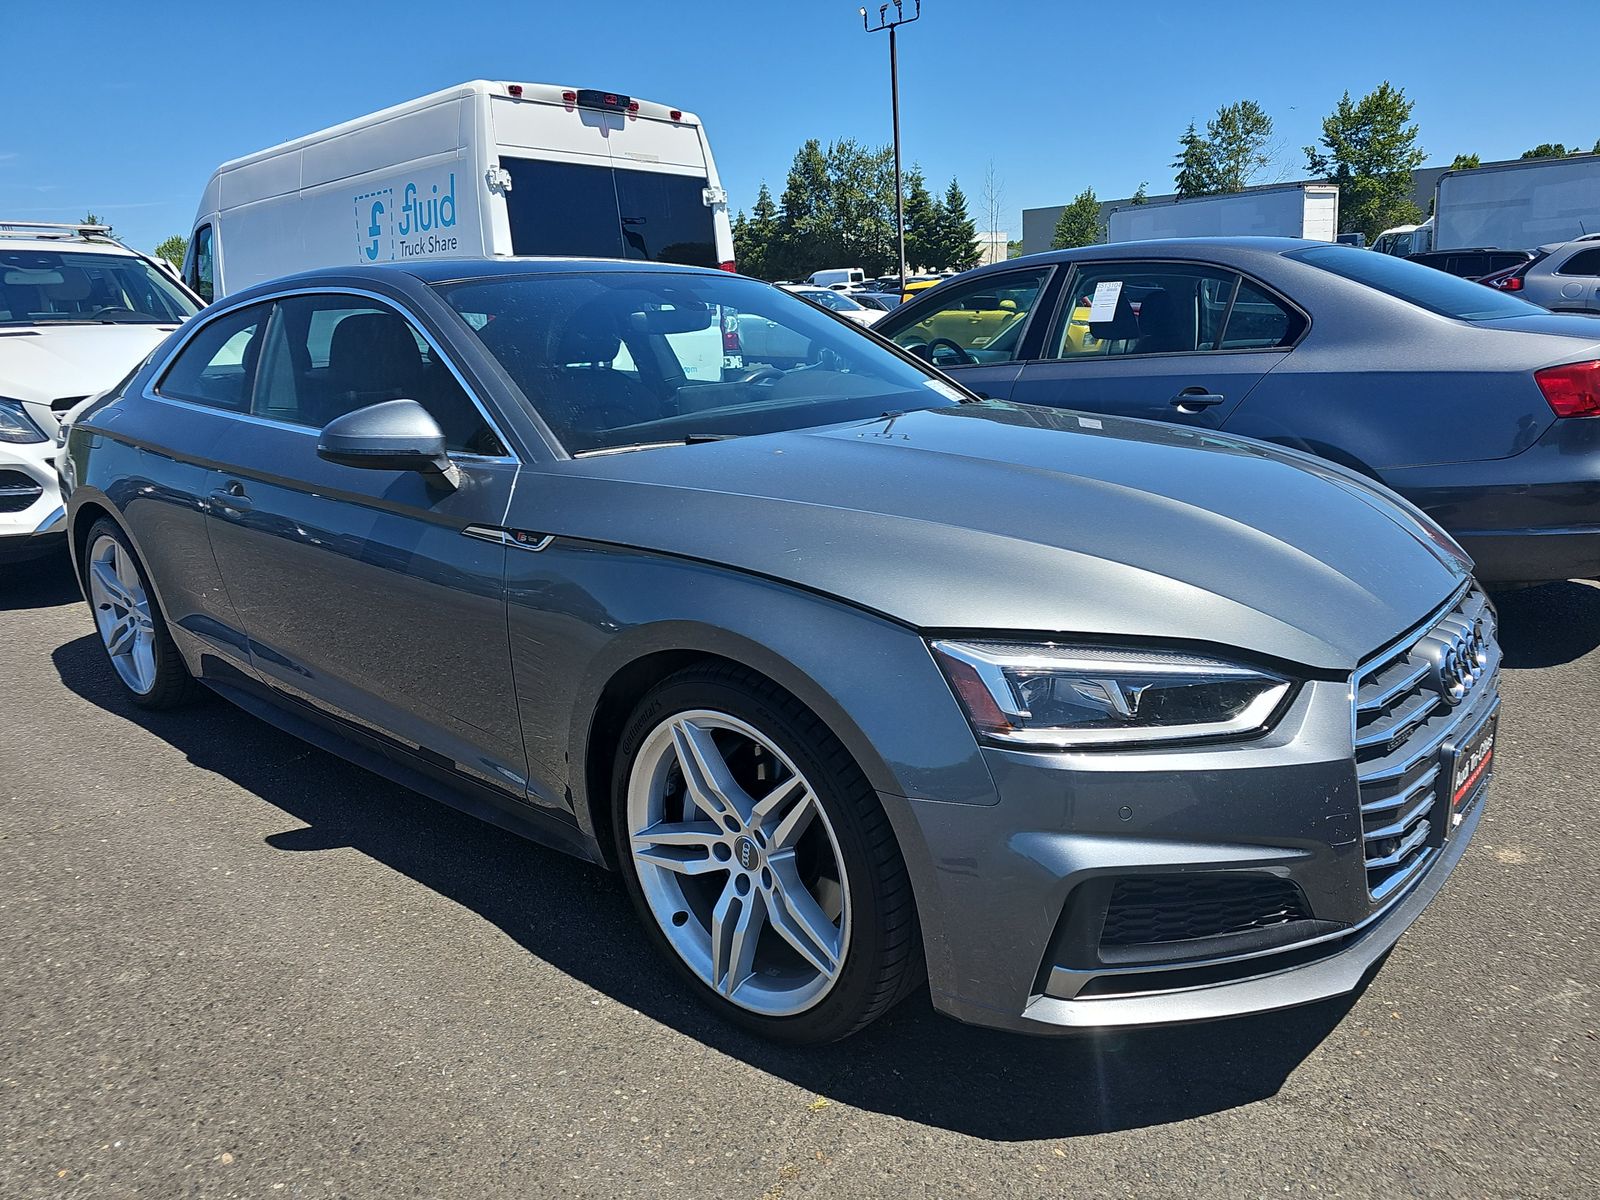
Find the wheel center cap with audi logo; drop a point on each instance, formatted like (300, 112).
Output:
(747, 852)
(1455, 656)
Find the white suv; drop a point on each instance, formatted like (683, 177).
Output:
(78, 311)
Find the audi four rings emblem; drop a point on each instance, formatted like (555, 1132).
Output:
(1457, 654)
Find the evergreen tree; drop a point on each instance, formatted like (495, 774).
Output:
(1080, 223)
(1369, 149)
(1140, 196)
(1196, 165)
(922, 230)
(1465, 162)
(761, 233)
(861, 186)
(958, 234)
(805, 225)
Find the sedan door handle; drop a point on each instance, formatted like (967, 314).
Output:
(232, 498)
(1195, 398)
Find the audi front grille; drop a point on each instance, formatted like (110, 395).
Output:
(1413, 703)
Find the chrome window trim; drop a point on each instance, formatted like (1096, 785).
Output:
(309, 430)
(153, 390)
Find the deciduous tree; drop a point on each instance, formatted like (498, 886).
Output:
(1239, 137)
(1080, 223)
(173, 249)
(1369, 149)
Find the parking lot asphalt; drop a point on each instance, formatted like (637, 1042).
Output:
(236, 966)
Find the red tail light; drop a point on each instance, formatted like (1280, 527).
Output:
(1571, 390)
(730, 265)
(730, 334)
(1508, 280)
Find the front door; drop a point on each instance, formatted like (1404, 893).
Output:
(1179, 342)
(370, 595)
(975, 330)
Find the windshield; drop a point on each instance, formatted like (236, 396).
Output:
(837, 301)
(52, 287)
(558, 208)
(621, 359)
(1423, 286)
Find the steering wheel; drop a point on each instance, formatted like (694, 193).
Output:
(760, 375)
(114, 308)
(962, 358)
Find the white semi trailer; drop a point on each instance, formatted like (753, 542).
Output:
(1518, 205)
(1299, 210)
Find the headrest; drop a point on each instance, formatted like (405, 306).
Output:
(363, 337)
(1122, 326)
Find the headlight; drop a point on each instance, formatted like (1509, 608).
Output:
(16, 426)
(1058, 697)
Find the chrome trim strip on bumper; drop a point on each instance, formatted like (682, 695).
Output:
(54, 522)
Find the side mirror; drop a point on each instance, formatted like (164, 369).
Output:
(395, 435)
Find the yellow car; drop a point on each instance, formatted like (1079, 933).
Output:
(912, 289)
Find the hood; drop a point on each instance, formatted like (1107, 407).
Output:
(1016, 520)
(40, 364)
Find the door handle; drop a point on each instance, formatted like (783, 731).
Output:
(1195, 398)
(232, 497)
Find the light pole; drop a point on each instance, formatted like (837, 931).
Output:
(891, 24)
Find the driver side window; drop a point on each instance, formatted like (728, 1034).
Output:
(980, 321)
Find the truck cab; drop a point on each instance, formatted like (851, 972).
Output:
(1403, 240)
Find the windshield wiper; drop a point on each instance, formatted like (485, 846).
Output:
(688, 439)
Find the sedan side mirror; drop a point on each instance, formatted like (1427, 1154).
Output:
(395, 435)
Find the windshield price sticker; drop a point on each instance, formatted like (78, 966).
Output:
(1104, 305)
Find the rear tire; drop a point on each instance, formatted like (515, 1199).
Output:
(765, 870)
(127, 617)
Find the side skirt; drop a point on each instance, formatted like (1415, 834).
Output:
(398, 765)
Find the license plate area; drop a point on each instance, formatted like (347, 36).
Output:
(1467, 767)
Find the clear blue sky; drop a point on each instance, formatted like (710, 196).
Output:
(128, 110)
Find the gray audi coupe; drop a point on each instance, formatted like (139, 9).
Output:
(859, 681)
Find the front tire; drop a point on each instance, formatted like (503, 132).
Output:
(132, 631)
(759, 858)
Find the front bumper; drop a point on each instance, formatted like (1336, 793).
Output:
(32, 519)
(1019, 899)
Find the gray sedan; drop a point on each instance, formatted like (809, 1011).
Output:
(858, 681)
(1481, 409)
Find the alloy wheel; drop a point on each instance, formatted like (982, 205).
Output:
(122, 613)
(738, 862)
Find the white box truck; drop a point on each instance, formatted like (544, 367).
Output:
(480, 170)
(1517, 205)
(1298, 210)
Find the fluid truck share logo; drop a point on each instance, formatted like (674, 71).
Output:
(419, 224)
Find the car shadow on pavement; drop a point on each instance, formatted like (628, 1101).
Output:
(912, 1064)
(38, 583)
(1548, 625)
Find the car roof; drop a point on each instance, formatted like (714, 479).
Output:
(67, 245)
